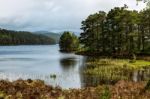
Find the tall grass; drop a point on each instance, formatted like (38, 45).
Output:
(115, 69)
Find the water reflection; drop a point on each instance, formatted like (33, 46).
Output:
(68, 62)
(141, 75)
(17, 59)
(133, 75)
(111, 75)
(39, 62)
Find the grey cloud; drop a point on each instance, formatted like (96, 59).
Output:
(52, 15)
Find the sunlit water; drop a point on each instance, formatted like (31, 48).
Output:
(41, 62)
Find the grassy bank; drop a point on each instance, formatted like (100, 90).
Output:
(29, 89)
(113, 70)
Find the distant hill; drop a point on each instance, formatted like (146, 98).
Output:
(10, 37)
(55, 36)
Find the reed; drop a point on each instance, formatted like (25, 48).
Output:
(115, 69)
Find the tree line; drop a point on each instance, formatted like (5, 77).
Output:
(118, 31)
(9, 37)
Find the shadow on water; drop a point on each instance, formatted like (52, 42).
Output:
(67, 63)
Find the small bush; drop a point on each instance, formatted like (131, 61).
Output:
(147, 87)
(106, 93)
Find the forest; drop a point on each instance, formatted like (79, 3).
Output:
(9, 37)
(120, 31)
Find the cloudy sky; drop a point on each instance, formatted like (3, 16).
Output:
(53, 15)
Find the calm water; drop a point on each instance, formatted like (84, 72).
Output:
(40, 62)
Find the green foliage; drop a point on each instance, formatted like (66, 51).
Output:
(119, 31)
(147, 87)
(68, 42)
(8, 37)
(106, 93)
(93, 31)
(133, 58)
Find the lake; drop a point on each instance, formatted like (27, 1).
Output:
(44, 62)
(41, 62)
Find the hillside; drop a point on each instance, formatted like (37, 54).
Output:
(10, 37)
(55, 36)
